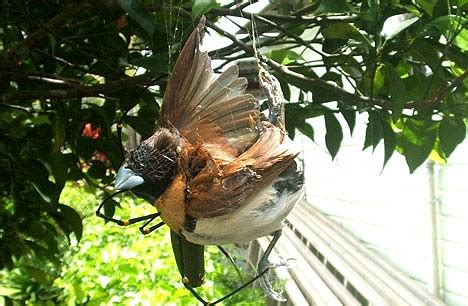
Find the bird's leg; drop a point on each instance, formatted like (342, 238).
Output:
(265, 265)
(263, 268)
(198, 297)
(231, 260)
(149, 217)
(145, 231)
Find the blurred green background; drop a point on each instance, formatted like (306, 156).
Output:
(112, 265)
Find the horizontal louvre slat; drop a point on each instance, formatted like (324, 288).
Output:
(395, 286)
(340, 258)
(337, 287)
(311, 285)
(334, 268)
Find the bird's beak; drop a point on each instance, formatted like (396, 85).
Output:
(127, 179)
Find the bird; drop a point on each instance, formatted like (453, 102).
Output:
(218, 170)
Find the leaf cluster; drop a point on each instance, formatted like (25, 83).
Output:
(401, 63)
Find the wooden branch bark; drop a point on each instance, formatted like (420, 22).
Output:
(19, 75)
(78, 91)
(287, 18)
(328, 85)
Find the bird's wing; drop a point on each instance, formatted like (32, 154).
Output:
(216, 192)
(209, 111)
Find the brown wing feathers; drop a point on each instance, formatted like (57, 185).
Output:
(186, 77)
(209, 110)
(220, 123)
(233, 184)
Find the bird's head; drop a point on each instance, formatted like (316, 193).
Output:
(149, 168)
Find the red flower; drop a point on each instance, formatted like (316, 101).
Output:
(91, 132)
(121, 22)
(100, 157)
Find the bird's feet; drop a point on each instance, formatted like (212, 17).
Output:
(265, 265)
(265, 281)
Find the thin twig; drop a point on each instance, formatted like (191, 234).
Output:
(39, 77)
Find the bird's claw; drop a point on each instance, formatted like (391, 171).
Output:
(265, 282)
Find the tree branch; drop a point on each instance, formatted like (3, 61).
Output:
(296, 37)
(340, 92)
(78, 91)
(440, 94)
(242, 45)
(316, 20)
(38, 77)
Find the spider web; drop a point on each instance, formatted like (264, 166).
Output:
(174, 29)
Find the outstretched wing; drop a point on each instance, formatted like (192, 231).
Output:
(212, 112)
(215, 194)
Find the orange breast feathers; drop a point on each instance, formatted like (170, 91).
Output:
(171, 204)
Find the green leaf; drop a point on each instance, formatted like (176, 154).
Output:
(9, 291)
(452, 131)
(437, 155)
(39, 276)
(43, 195)
(395, 24)
(284, 56)
(349, 115)
(379, 79)
(71, 221)
(396, 90)
(306, 129)
(344, 31)
(389, 141)
(334, 134)
(427, 5)
(321, 94)
(334, 46)
(334, 77)
(155, 63)
(109, 207)
(201, 7)
(58, 128)
(451, 25)
(290, 123)
(59, 168)
(285, 88)
(143, 127)
(424, 51)
(463, 4)
(333, 6)
(41, 251)
(374, 131)
(417, 141)
(137, 11)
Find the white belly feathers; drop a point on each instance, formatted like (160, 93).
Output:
(261, 216)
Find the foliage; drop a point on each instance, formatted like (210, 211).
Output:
(118, 266)
(73, 71)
